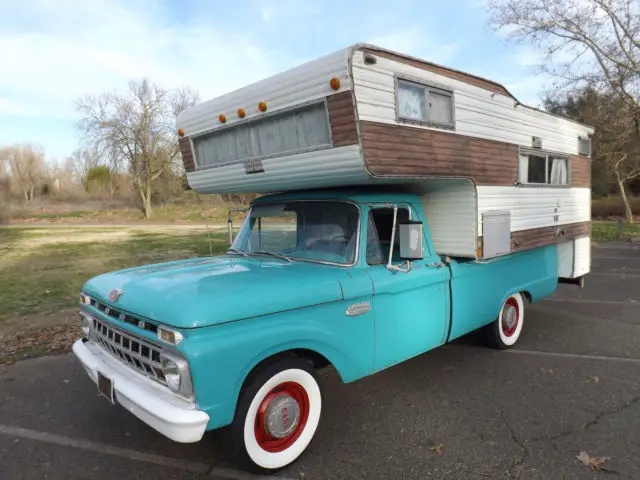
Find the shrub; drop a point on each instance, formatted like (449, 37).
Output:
(612, 207)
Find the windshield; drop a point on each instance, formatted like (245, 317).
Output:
(321, 231)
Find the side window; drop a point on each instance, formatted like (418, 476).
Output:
(374, 251)
(420, 103)
(540, 168)
(381, 222)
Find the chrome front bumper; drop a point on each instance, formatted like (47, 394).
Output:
(175, 418)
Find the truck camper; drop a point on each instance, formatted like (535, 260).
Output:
(403, 204)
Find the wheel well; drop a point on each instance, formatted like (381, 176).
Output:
(528, 297)
(317, 360)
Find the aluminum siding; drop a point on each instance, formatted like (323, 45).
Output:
(324, 168)
(533, 207)
(304, 83)
(450, 208)
(478, 112)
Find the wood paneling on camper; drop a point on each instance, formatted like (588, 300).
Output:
(397, 150)
(187, 154)
(342, 115)
(580, 171)
(538, 237)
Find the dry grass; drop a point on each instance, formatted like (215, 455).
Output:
(43, 269)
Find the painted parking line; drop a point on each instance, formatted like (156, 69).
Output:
(635, 303)
(104, 449)
(580, 356)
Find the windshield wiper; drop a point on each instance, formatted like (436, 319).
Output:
(278, 255)
(235, 250)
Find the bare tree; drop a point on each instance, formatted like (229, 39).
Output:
(587, 44)
(136, 131)
(5, 190)
(26, 167)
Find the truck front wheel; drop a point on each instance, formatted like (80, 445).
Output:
(277, 414)
(505, 330)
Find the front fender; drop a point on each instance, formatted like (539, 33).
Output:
(222, 356)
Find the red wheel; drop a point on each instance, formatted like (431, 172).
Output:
(505, 330)
(277, 415)
(281, 417)
(509, 319)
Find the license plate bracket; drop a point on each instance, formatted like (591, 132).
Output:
(105, 387)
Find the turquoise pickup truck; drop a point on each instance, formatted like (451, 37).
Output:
(347, 278)
(404, 205)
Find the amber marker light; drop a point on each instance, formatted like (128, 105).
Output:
(262, 106)
(335, 83)
(241, 112)
(180, 132)
(222, 117)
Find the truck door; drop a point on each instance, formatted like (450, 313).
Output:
(411, 309)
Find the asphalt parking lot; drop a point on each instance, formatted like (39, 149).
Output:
(462, 411)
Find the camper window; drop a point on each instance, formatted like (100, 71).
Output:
(540, 168)
(416, 102)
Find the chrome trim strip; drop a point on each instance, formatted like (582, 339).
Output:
(358, 309)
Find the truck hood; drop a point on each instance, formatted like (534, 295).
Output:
(208, 291)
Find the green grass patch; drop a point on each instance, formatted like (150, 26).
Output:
(608, 231)
(42, 270)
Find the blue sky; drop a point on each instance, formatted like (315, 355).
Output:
(54, 51)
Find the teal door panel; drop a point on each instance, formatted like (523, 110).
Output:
(411, 311)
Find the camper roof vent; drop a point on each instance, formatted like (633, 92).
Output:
(536, 142)
(370, 59)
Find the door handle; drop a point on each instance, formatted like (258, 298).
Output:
(434, 264)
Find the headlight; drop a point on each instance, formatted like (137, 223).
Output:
(84, 322)
(172, 375)
(176, 374)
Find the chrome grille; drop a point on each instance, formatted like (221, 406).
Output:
(133, 351)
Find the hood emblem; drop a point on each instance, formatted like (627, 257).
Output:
(115, 294)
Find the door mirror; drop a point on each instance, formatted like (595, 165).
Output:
(411, 235)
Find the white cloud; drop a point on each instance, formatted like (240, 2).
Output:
(74, 48)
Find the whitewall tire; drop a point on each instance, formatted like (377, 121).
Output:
(277, 415)
(505, 330)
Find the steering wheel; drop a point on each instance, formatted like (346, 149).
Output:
(344, 238)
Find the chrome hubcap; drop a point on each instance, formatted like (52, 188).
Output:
(282, 416)
(510, 316)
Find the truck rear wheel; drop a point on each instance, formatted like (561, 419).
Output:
(505, 330)
(277, 415)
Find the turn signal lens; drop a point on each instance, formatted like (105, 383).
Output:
(169, 336)
(222, 117)
(335, 83)
(241, 112)
(85, 299)
(181, 132)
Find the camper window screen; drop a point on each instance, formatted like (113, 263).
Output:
(295, 131)
(424, 104)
